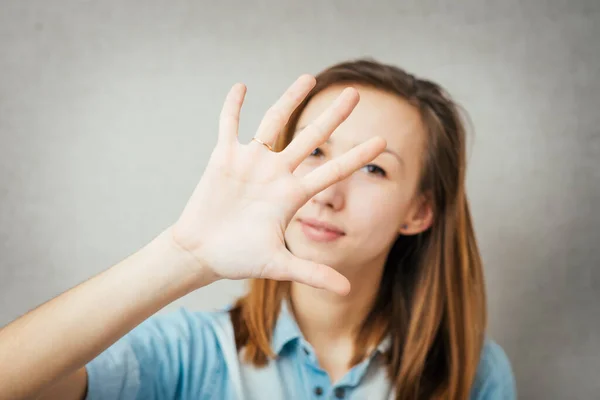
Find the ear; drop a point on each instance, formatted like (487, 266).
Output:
(419, 217)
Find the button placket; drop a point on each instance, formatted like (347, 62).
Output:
(339, 393)
(317, 378)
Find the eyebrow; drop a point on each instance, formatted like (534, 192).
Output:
(400, 160)
(386, 150)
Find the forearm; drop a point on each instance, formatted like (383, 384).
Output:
(65, 333)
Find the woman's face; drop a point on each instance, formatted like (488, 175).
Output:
(352, 224)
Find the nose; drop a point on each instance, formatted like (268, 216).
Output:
(331, 197)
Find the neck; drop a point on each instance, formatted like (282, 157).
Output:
(326, 318)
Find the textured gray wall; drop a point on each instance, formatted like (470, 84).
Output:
(108, 111)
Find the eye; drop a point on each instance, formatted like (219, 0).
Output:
(375, 170)
(316, 152)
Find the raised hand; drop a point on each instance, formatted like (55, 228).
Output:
(235, 220)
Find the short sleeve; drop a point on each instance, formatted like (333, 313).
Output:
(494, 379)
(168, 356)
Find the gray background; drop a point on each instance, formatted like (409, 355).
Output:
(109, 109)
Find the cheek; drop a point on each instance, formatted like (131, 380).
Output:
(378, 213)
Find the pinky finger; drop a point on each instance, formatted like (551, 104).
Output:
(229, 120)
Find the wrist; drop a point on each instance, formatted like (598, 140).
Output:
(186, 267)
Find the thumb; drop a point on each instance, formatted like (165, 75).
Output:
(287, 267)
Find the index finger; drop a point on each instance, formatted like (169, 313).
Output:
(341, 167)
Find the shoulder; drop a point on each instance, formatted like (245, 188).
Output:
(185, 326)
(171, 337)
(494, 379)
(165, 351)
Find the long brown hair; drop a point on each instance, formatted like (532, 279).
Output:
(432, 295)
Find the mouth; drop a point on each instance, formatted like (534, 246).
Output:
(320, 231)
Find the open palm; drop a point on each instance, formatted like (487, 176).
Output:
(235, 220)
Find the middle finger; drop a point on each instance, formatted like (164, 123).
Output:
(319, 130)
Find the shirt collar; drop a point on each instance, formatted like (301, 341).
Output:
(287, 330)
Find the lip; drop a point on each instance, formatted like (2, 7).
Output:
(320, 231)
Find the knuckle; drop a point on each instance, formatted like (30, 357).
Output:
(317, 275)
(304, 191)
(317, 130)
(337, 170)
(232, 118)
(293, 97)
(276, 115)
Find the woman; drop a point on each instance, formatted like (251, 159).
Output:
(308, 215)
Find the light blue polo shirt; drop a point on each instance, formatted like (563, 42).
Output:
(192, 355)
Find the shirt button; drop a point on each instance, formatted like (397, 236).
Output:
(318, 390)
(339, 393)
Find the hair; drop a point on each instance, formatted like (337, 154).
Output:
(432, 295)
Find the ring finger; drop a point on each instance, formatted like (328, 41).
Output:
(279, 114)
